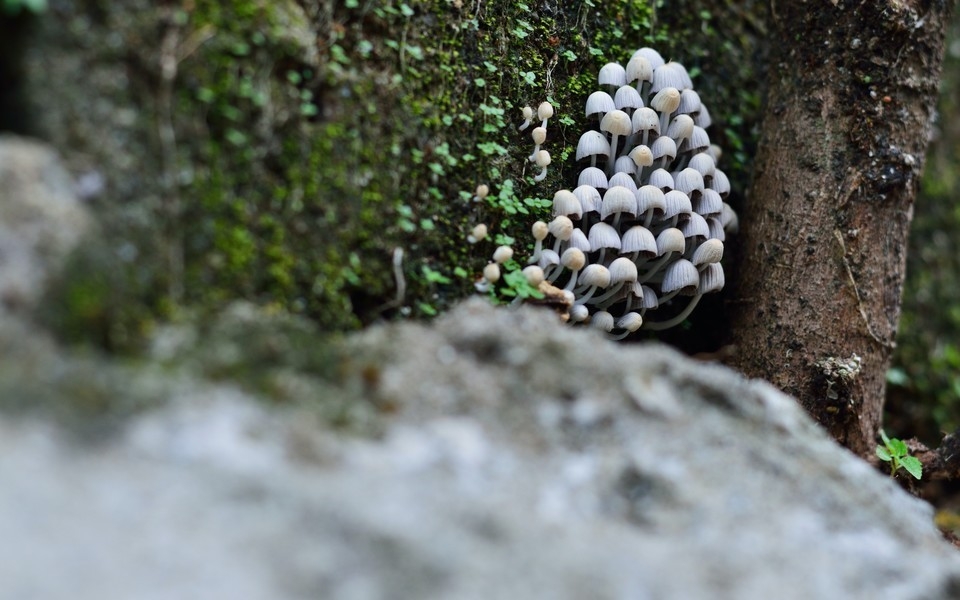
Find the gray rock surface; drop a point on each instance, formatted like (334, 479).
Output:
(41, 219)
(516, 458)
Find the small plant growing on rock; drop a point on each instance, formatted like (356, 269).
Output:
(895, 452)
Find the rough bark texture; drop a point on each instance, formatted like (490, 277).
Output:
(852, 94)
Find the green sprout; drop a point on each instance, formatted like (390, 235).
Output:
(896, 453)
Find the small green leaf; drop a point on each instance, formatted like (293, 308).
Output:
(912, 465)
(883, 455)
(898, 447)
(883, 436)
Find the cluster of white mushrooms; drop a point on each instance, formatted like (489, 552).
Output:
(643, 231)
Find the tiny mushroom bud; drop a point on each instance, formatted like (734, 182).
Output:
(491, 272)
(539, 231)
(579, 313)
(502, 254)
(591, 277)
(543, 160)
(544, 112)
(534, 275)
(539, 135)
(481, 192)
(707, 253)
(573, 259)
(527, 117)
(629, 323)
(477, 233)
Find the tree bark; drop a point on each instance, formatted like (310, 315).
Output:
(852, 95)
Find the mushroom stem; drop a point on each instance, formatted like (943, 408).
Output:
(661, 325)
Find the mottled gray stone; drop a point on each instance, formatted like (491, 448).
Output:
(519, 459)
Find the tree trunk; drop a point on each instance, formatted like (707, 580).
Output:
(852, 94)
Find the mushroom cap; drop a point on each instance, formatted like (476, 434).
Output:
(666, 100)
(534, 275)
(482, 191)
(477, 233)
(716, 228)
(703, 117)
(670, 240)
(616, 123)
(491, 272)
(714, 150)
(662, 179)
(548, 258)
(709, 203)
(618, 199)
(544, 111)
(639, 68)
(627, 98)
(579, 313)
(623, 269)
(624, 166)
(689, 180)
(578, 239)
(642, 156)
(639, 239)
(603, 235)
(720, 183)
(595, 275)
(573, 259)
(689, 102)
(681, 128)
(623, 179)
(677, 203)
(593, 177)
(695, 226)
(598, 102)
(631, 321)
(647, 296)
(707, 253)
(712, 279)
(704, 164)
(527, 112)
(539, 135)
(539, 231)
(651, 55)
(664, 146)
(612, 74)
(602, 320)
(566, 203)
(671, 74)
(590, 200)
(502, 254)
(645, 119)
(561, 227)
(650, 196)
(542, 158)
(699, 139)
(681, 277)
(592, 143)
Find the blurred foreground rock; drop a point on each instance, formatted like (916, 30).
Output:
(514, 458)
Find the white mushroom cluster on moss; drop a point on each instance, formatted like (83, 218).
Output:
(642, 233)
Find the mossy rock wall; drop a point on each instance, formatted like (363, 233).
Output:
(283, 151)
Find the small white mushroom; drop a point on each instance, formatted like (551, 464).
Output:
(707, 253)
(627, 99)
(617, 201)
(592, 144)
(544, 112)
(598, 104)
(477, 234)
(574, 260)
(539, 135)
(539, 231)
(592, 276)
(612, 75)
(593, 177)
(481, 192)
(534, 275)
(623, 271)
(502, 254)
(617, 123)
(543, 161)
(602, 320)
(527, 118)
(665, 102)
(628, 323)
(664, 151)
(566, 203)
